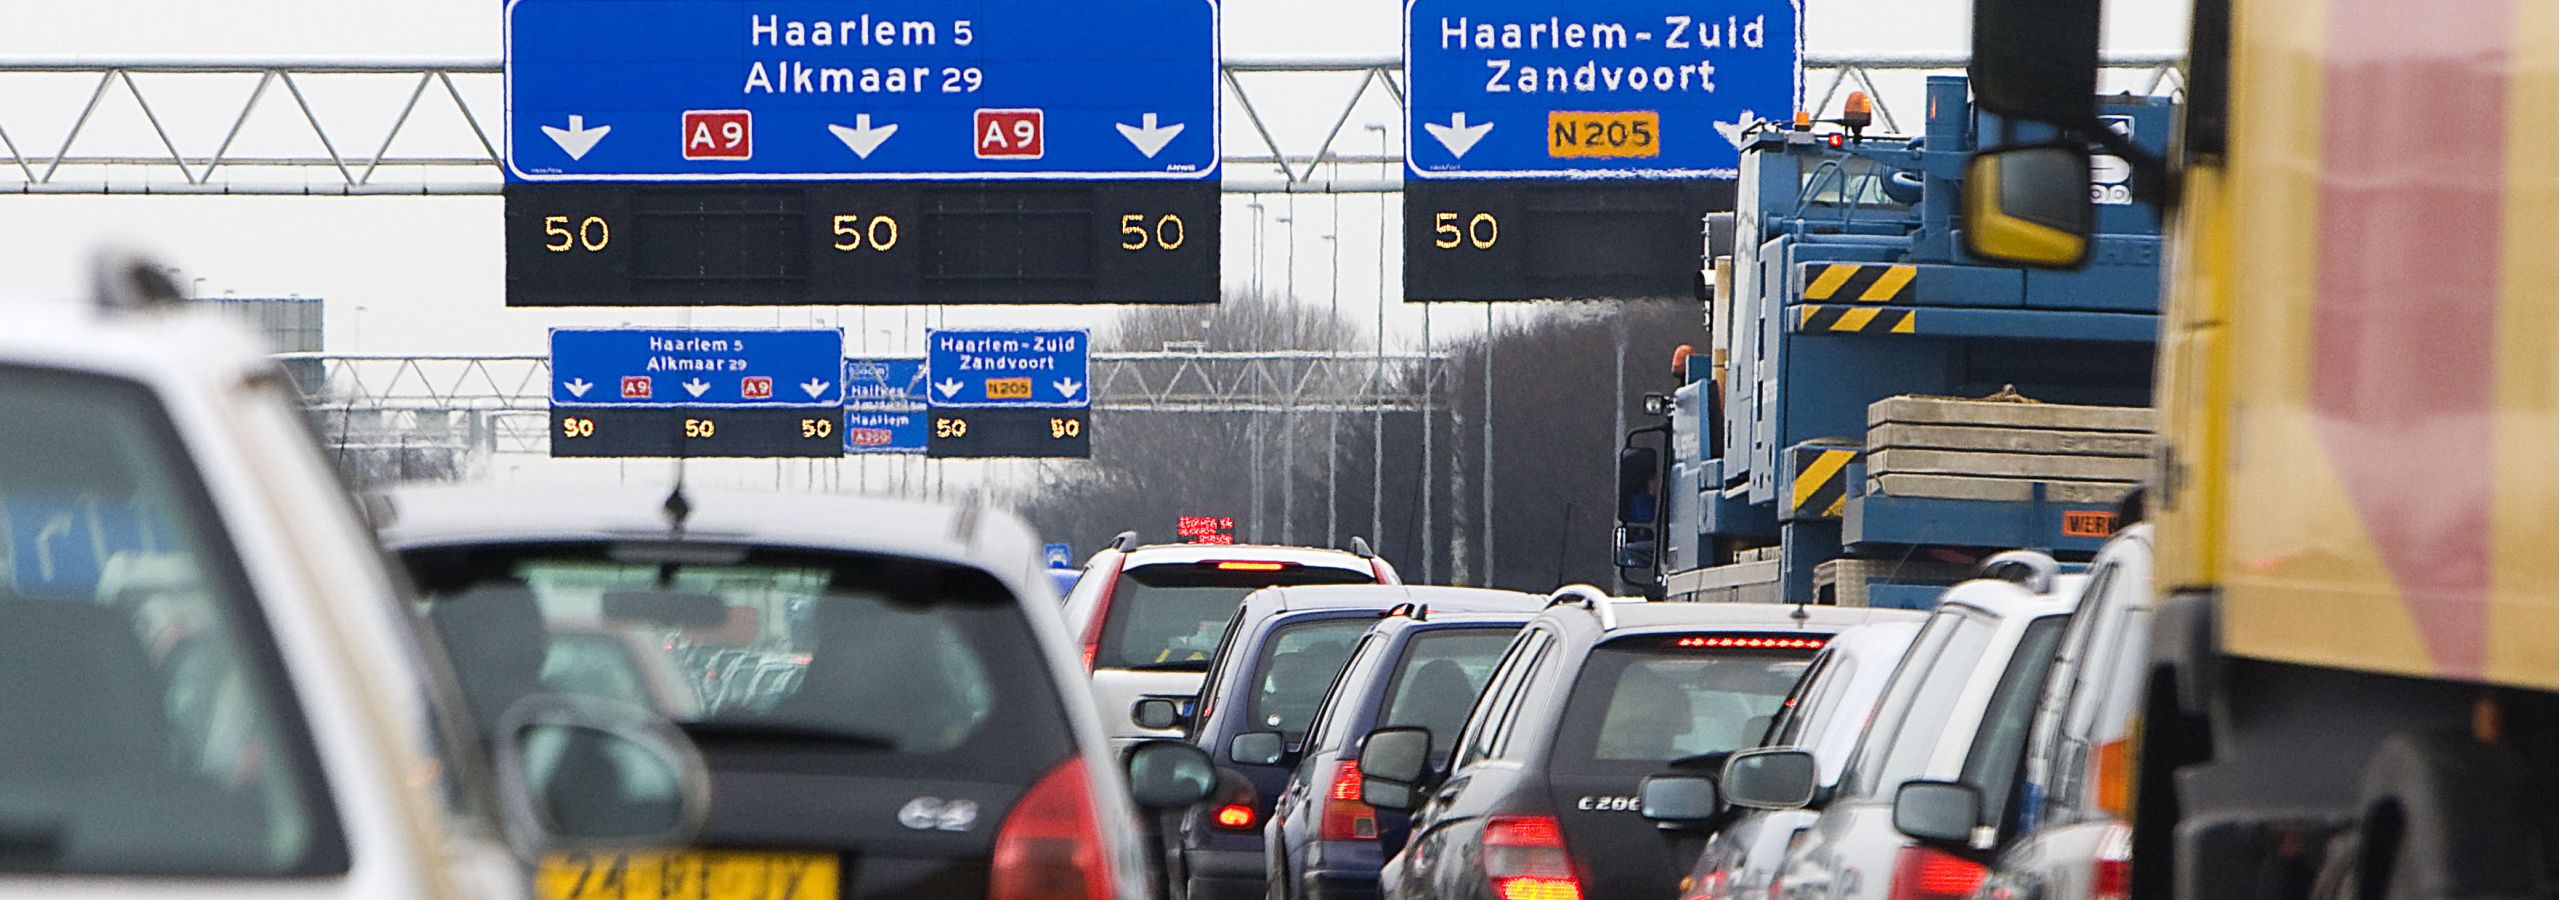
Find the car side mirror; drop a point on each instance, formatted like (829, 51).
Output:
(1258, 748)
(1155, 714)
(579, 772)
(1393, 763)
(1678, 801)
(1168, 774)
(2029, 206)
(1941, 812)
(1770, 778)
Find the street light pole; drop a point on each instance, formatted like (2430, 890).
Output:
(1289, 403)
(1333, 373)
(1378, 367)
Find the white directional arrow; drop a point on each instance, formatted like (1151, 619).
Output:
(815, 387)
(950, 387)
(1067, 387)
(1458, 136)
(577, 139)
(696, 387)
(862, 138)
(1147, 136)
(1734, 130)
(577, 387)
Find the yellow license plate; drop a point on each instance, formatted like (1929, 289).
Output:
(697, 874)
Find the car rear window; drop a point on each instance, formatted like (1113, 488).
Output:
(1642, 702)
(793, 654)
(1438, 678)
(145, 725)
(1299, 664)
(1172, 615)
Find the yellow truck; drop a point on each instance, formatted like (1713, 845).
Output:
(2354, 662)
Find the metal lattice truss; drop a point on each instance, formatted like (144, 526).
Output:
(321, 127)
(501, 403)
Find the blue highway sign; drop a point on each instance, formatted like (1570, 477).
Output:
(884, 383)
(720, 90)
(690, 367)
(1059, 556)
(870, 430)
(1594, 88)
(1009, 368)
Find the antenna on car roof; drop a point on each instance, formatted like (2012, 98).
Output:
(1594, 599)
(1125, 541)
(1360, 548)
(678, 507)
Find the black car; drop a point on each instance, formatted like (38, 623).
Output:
(1422, 668)
(1540, 798)
(933, 739)
(1282, 651)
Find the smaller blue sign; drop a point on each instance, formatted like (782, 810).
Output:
(884, 430)
(690, 367)
(1009, 368)
(1060, 556)
(886, 383)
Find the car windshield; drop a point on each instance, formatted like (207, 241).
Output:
(1644, 702)
(1439, 677)
(789, 650)
(144, 727)
(1299, 665)
(1172, 615)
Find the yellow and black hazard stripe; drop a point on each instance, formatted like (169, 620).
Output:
(1862, 282)
(1856, 319)
(1822, 482)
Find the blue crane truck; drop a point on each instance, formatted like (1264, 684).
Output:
(1876, 411)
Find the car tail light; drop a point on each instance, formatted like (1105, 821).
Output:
(2111, 874)
(1092, 637)
(1922, 873)
(2111, 770)
(1341, 816)
(1247, 565)
(1236, 817)
(1050, 847)
(1524, 856)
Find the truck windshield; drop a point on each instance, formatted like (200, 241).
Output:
(144, 727)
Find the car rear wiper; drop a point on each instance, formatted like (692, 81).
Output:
(723, 730)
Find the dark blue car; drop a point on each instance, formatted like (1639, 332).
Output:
(1422, 670)
(1268, 677)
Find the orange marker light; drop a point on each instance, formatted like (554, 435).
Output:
(1857, 111)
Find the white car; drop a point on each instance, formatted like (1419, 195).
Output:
(214, 688)
(1148, 619)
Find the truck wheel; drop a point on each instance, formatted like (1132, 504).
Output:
(2442, 816)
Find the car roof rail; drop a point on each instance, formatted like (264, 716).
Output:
(122, 278)
(1591, 598)
(1124, 541)
(2028, 569)
(1419, 612)
(1360, 548)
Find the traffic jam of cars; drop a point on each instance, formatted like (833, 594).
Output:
(627, 692)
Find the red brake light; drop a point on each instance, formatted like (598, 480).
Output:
(1524, 856)
(1237, 816)
(1050, 847)
(1340, 815)
(2111, 874)
(1921, 873)
(1744, 642)
(1092, 637)
(1238, 565)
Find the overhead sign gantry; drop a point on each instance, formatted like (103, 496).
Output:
(707, 152)
(1569, 148)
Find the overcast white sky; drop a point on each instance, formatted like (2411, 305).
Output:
(427, 272)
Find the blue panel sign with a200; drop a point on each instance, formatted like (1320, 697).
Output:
(688, 367)
(884, 405)
(1008, 368)
(724, 90)
(1594, 88)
